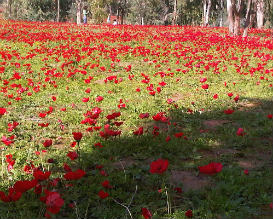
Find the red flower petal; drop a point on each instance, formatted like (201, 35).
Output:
(146, 213)
(211, 168)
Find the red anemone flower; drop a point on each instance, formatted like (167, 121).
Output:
(229, 111)
(240, 132)
(146, 213)
(103, 194)
(72, 155)
(139, 131)
(85, 99)
(54, 202)
(99, 99)
(40, 175)
(159, 166)
(188, 213)
(2, 111)
(78, 174)
(24, 185)
(12, 196)
(211, 168)
(77, 136)
(47, 143)
(205, 86)
(144, 115)
(203, 80)
(106, 184)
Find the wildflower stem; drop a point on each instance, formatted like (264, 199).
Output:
(126, 207)
(133, 197)
(2, 167)
(168, 201)
(76, 210)
(79, 154)
(125, 176)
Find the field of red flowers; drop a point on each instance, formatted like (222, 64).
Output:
(134, 122)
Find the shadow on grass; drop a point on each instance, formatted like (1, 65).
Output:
(208, 136)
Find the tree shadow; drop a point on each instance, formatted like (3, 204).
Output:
(209, 136)
(196, 138)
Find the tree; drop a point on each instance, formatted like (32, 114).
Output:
(206, 11)
(58, 10)
(79, 9)
(139, 11)
(146, 12)
(8, 8)
(65, 9)
(190, 12)
(221, 7)
(31, 10)
(122, 9)
(174, 21)
(234, 10)
(100, 8)
(268, 12)
(260, 13)
(249, 17)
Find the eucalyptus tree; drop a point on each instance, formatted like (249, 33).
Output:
(206, 11)
(260, 13)
(58, 10)
(234, 10)
(139, 12)
(190, 12)
(78, 11)
(8, 8)
(174, 20)
(147, 12)
(269, 13)
(249, 16)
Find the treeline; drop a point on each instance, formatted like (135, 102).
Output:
(235, 13)
(39, 10)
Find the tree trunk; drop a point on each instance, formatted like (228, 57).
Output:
(230, 17)
(248, 17)
(260, 13)
(165, 12)
(79, 2)
(110, 9)
(174, 21)
(222, 13)
(221, 21)
(118, 15)
(8, 8)
(234, 9)
(236, 30)
(206, 11)
(237, 10)
(122, 16)
(58, 11)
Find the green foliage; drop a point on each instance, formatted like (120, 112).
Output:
(38, 10)
(268, 13)
(98, 10)
(152, 12)
(190, 12)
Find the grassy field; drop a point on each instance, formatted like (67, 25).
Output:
(121, 122)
